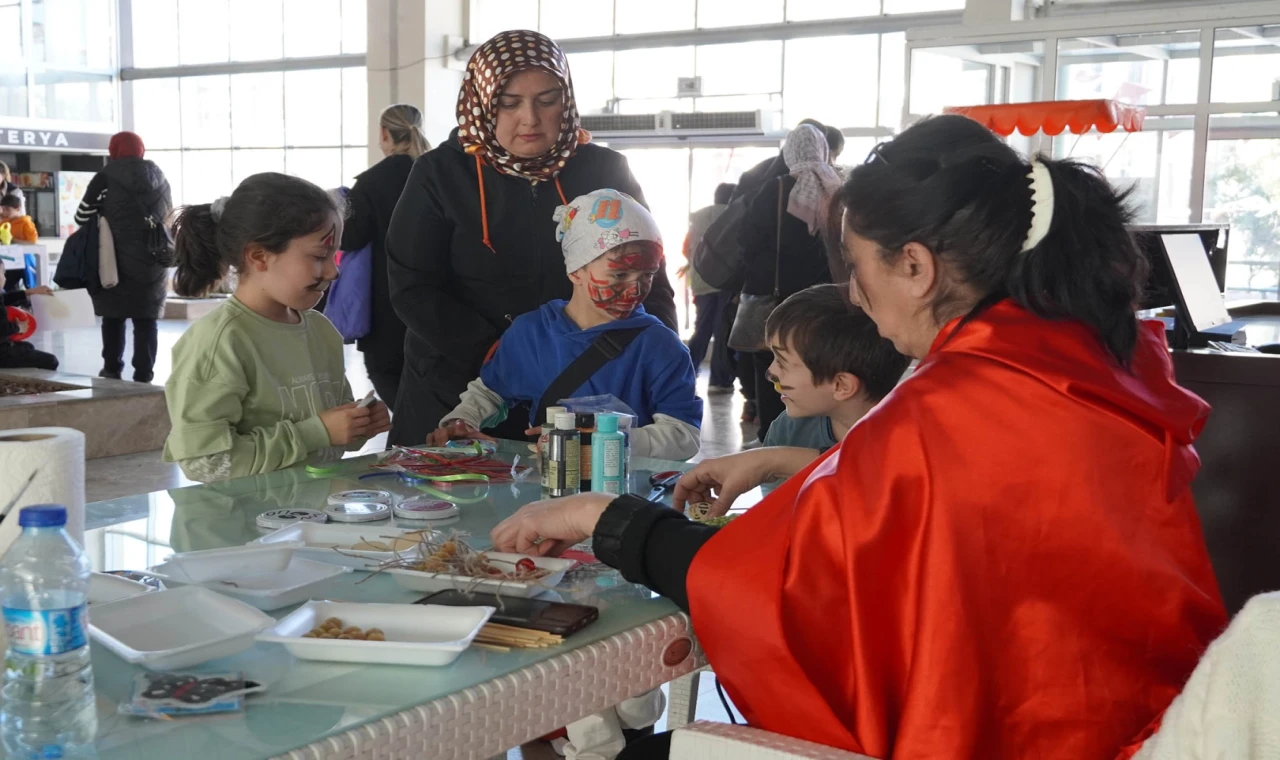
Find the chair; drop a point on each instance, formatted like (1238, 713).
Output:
(704, 740)
(1230, 707)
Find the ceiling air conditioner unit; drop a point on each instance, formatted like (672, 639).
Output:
(606, 125)
(721, 123)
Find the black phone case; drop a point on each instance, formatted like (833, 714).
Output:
(559, 618)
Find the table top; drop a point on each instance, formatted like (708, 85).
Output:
(308, 701)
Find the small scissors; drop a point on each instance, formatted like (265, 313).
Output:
(662, 482)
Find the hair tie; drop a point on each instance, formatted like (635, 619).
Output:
(217, 207)
(1041, 204)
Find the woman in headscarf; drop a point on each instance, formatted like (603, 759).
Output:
(472, 242)
(785, 261)
(133, 194)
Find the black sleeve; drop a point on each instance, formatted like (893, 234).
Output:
(758, 238)
(358, 229)
(661, 301)
(91, 204)
(16, 298)
(650, 544)
(419, 270)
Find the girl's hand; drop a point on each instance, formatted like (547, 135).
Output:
(379, 419)
(454, 430)
(346, 423)
(548, 528)
(40, 290)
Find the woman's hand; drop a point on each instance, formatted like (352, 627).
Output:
(346, 423)
(454, 430)
(719, 482)
(40, 290)
(549, 527)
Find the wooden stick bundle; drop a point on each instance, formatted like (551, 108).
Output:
(499, 635)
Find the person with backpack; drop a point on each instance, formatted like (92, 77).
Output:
(132, 194)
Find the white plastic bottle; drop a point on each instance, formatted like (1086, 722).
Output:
(48, 709)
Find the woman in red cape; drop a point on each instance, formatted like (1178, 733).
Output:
(1003, 559)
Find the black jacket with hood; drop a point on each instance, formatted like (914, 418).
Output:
(457, 294)
(126, 192)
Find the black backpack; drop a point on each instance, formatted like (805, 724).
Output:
(78, 264)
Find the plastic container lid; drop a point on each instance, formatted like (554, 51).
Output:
(279, 518)
(43, 516)
(586, 421)
(566, 421)
(606, 423)
(425, 508)
(554, 412)
(358, 511)
(368, 495)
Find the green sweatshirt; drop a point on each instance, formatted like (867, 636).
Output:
(245, 392)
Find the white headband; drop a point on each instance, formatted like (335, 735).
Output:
(1041, 203)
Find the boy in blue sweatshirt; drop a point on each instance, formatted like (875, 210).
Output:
(612, 250)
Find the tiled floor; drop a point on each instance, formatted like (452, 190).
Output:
(79, 352)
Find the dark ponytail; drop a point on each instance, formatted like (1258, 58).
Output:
(951, 185)
(266, 209)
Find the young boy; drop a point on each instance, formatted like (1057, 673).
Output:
(23, 229)
(612, 250)
(830, 365)
(14, 353)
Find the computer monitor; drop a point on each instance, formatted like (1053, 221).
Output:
(1158, 290)
(1198, 303)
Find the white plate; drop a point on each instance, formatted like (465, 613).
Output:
(104, 587)
(300, 581)
(177, 628)
(417, 634)
(318, 540)
(220, 564)
(419, 581)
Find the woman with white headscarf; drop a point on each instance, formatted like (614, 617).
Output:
(782, 242)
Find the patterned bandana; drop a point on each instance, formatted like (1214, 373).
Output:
(491, 66)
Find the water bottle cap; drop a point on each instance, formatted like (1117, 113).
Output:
(43, 516)
(607, 423)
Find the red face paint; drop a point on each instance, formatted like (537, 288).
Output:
(619, 297)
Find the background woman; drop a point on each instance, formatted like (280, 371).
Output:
(1003, 559)
(472, 243)
(372, 201)
(133, 194)
(8, 188)
(795, 259)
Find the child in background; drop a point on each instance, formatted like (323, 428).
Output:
(259, 384)
(20, 225)
(14, 353)
(830, 365)
(612, 249)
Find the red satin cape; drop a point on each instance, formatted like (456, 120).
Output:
(1002, 560)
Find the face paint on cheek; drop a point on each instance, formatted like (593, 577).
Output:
(618, 301)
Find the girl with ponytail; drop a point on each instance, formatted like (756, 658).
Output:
(259, 384)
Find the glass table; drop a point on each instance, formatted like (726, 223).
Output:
(481, 705)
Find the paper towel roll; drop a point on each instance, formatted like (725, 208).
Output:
(56, 455)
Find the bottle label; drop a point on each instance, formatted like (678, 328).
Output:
(572, 463)
(45, 632)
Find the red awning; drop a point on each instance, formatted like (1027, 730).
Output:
(1054, 116)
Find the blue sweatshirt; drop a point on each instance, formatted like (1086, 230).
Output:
(653, 376)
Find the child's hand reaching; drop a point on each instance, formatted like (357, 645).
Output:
(348, 422)
(452, 431)
(379, 420)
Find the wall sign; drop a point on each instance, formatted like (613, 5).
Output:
(52, 139)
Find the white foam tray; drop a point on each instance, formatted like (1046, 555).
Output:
(176, 628)
(318, 540)
(229, 563)
(104, 588)
(417, 634)
(429, 582)
(303, 579)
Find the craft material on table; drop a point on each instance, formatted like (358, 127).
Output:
(506, 637)
(662, 482)
(173, 695)
(452, 465)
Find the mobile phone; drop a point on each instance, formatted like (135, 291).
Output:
(539, 614)
(367, 401)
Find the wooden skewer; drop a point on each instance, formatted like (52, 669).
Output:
(490, 647)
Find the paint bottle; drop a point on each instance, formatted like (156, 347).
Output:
(609, 456)
(543, 440)
(564, 457)
(586, 429)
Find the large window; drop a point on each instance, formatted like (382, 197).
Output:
(58, 60)
(210, 131)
